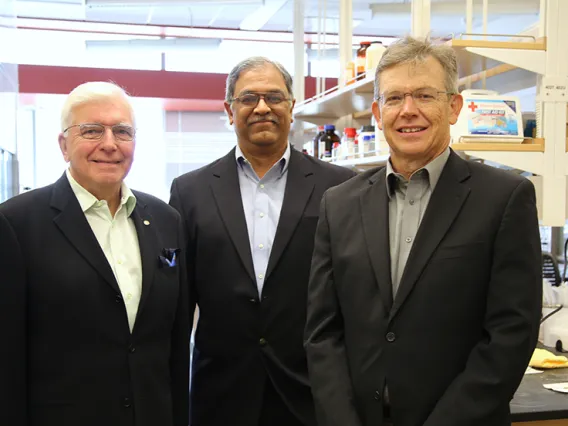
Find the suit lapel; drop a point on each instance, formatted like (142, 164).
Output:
(72, 222)
(148, 242)
(227, 194)
(445, 204)
(374, 212)
(299, 188)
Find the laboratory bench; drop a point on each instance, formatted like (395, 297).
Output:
(534, 405)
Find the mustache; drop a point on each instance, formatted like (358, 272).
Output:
(265, 118)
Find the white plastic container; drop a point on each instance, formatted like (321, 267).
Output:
(487, 116)
(373, 55)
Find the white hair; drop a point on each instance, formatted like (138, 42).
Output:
(89, 92)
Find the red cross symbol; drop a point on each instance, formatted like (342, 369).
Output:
(472, 106)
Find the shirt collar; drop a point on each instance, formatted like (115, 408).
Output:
(88, 200)
(434, 170)
(284, 161)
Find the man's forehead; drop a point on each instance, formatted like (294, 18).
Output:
(415, 73)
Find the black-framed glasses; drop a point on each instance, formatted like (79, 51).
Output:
(272, 99)
(95, 131)
(421, 97)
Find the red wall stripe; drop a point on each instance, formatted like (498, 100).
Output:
(38, 79)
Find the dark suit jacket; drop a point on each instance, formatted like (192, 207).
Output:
(241, 340)
(68, 357)
(454, 344)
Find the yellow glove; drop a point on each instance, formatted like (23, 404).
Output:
(544, 359)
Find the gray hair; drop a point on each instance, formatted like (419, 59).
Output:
(254, 62)
(90, 92)
(414, 50)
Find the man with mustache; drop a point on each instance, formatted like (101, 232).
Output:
(250, 219)
(93, 299)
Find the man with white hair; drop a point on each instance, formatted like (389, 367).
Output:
(93, 300)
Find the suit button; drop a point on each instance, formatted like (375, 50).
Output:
(391, 337)
(377, 396)
(131, 349)
(262, 341)
(118, 298)
(127, 402)
(252, 300)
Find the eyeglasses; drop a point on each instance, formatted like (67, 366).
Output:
(421, 97)
(252, 99)
(95, 131)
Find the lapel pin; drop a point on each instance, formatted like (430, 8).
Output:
(146, 222)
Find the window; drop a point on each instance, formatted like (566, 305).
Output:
(7, 184)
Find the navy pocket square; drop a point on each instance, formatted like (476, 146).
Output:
(168, 258)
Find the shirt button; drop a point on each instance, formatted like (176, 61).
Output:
(261, 246)
(129, 296)
(261, 215)
(261, 276)
(262, 341)
(391, 337)
(120, 261)
(262, 186)
(411, 202)
(408, 239)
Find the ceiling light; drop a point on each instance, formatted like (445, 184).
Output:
(157, 45)
(165, 3)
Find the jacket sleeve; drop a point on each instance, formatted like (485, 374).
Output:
(324, 343)
(496, 365)
(13, 329)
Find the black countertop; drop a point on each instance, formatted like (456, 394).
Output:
(533, 402)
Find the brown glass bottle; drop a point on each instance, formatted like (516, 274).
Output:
(360, 63)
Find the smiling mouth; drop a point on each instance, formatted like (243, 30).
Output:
(411, 129)
(264, 122)
(106, 162)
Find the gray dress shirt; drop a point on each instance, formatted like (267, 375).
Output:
(408, 200)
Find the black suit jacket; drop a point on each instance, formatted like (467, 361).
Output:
(241, 340)
(68, 357)
(455, 342)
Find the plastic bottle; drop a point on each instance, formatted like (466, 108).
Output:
(361, 59)
(369, 149)
(335, 151)
(373, 55)
(367, 142)
(327, 140)
(316, 146)
(348, 142)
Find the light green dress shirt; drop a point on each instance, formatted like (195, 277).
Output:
(118, 239)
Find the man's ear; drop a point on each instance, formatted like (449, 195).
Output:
(63, 147)
(292, 110)
(377, 113)
(456, 104)
(229, 112)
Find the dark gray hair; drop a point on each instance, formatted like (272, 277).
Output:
(415, 50)
(253, 63)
